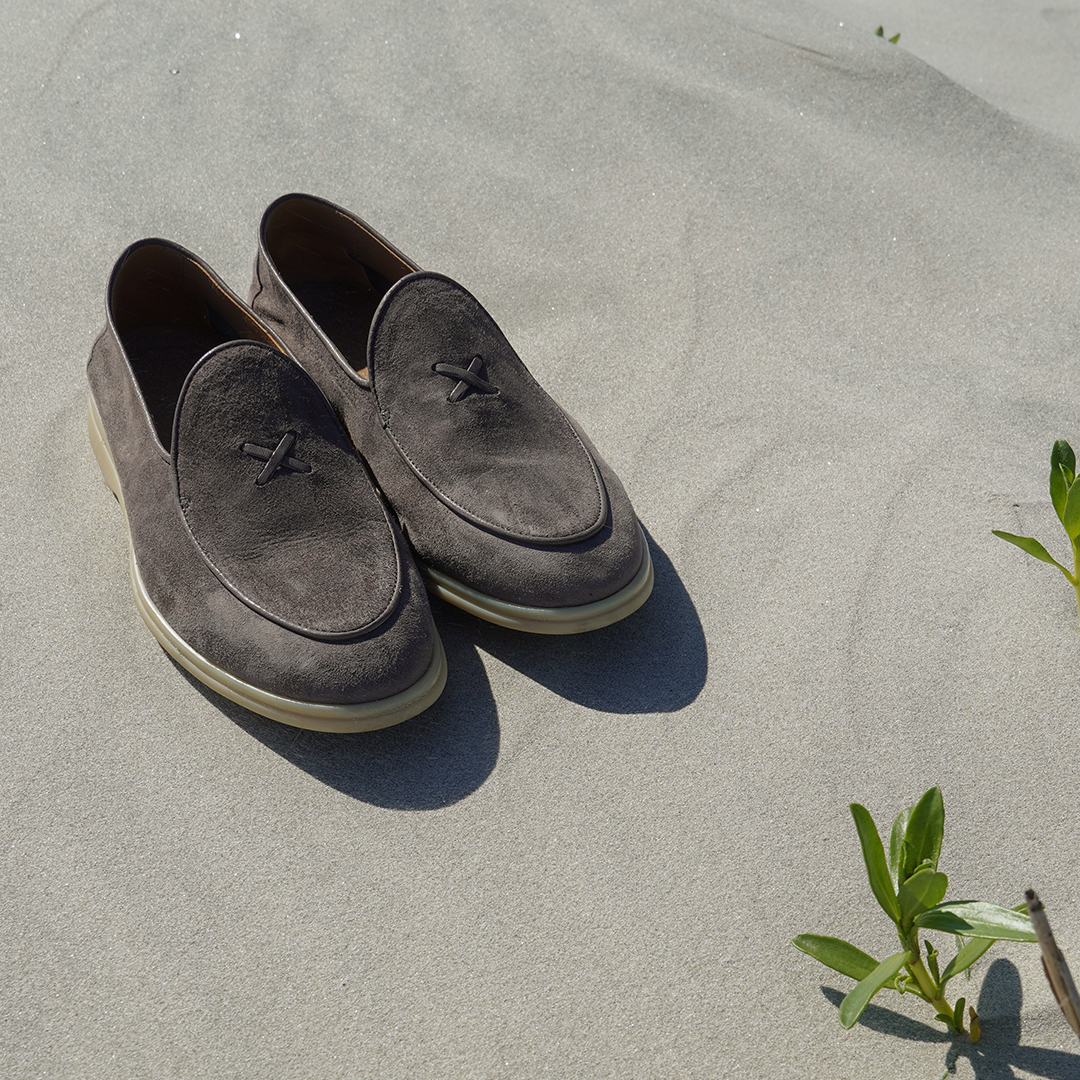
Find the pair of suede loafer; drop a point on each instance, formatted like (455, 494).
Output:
(297, 472)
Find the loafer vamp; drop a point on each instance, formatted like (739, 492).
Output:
(471, 422)
(275, 499)
(566, 575)
(234, 637)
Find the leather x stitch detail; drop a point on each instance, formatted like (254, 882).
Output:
(277, 458)
(467, 377)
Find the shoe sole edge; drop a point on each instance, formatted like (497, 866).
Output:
(313, 716)
(537, 620)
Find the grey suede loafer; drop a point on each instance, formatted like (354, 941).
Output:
(262, 557)
(511, 512)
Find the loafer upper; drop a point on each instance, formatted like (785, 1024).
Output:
(256, 531)
(472, 423)
(495, 486)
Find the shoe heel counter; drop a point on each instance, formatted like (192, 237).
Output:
(266, 300)
(256, 282)
(97, 359)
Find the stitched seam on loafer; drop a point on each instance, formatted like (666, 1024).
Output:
(312, 632)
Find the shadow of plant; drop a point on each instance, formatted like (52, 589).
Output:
(431, 761)
(887, 1022)
(654, 661)
(998, 1053)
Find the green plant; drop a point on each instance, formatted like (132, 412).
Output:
(880, 31)
(1065, 495)
(911, 891)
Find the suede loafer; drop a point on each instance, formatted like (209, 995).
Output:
(510, 511)
(262, 557)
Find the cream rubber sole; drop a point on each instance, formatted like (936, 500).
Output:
(534, 620)
(364, 716)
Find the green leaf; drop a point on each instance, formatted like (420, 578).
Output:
(974, 918)
(836, 954)
(894, 39)
(851, 1008)
(1071, 518)
(880, 31)
(874, 857)
(965, 956)
(958, 1014)
(1062, 475)
(906, 983)
(1032, 547)
(925, 831)
(1059, 491)
(1063, 458)
(931, 962)
(922, 891)
(896, 840)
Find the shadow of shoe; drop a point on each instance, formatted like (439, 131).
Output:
(653, 661)
(428, 762)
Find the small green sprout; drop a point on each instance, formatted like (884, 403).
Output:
(880, 31)
(1065, 495)
(911, 891)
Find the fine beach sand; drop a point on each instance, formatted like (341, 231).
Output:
(815, 297)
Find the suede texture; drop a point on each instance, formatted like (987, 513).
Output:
(514, 570)
(502, 454)
(303, 540)
(208, 616)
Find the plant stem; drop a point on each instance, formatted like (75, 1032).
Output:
(931, 991)
(1075, 578)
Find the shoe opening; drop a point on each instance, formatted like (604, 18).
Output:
(168, 312)
(337, 269)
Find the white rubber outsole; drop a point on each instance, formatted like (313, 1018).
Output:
(534, 620)
(315, 716)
